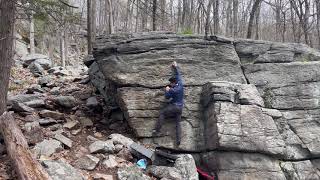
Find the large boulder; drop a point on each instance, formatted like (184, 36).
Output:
(40, 59)
(246, 101)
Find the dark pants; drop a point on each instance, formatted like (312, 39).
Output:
(171, 111)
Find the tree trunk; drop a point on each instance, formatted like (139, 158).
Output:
(94, 20)
(50, 47)
(229, 19)
(284, 28)
(257, 16)
(186, 13)
(318, 21)
(235, 18)
(66, 45)
(293, 21)
(101, 17)
(110, 16)
(206, 31)
(179, 16)
(26, 167)
(7, 13)
(32, 46)
(163, 14)
(154, 15)
(171, 16)
(252, 14)
(278, 19)
(144, 15)
(216, 17)
(62, 49)
(137, 15)
(89, 27)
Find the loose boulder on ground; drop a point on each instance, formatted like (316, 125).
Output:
(130, 173)
(40, 59)
(61, 170)
(47, 147)
(102, 147)
(87, 162)
(66, 101)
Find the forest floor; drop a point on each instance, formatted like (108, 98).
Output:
(92, 123)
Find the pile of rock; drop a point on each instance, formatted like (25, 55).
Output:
(37, 63)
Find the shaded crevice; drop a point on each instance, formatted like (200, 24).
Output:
(241, 66)
(244, 74)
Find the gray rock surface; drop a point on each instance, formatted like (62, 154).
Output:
(64, 140)
(186, 167)
(40, 59)
(43, 81)
(110, 162)
(234, 165)
(51, 114)
(24, 98)
(35, 103)
(165, 172)
(71, 124)
(61, 170)
(120, 139)
(87, 162)
(85, 122)
(66, 101)
(99, 176)
(236, 125)
(131, 173)
(36, 69)
(35, 88)
(47, 121)
(47, 147)
(102, 147)
(33, 132)
(21, 107)
(92, 102)
(257, 100)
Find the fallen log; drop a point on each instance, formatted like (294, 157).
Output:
(26, 167)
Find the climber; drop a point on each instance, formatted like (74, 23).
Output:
(174, 91)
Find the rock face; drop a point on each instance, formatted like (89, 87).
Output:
(249, 105)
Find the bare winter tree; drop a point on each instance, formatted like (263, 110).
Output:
(89, 26)
(7, 13)
(154, 15)
(216, 16)
(207, 26)
(254, 9)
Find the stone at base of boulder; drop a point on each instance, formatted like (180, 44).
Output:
(110, 162)
(59, 170)
(165, 172)
(102, 147)
(66, 141)
(66, 101)
(51, 114)
(98, 176)
(47, 147)
(71, 124)
(130, 173)
(87, 162)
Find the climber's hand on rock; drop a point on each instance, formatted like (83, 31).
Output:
(167, 88)
(174, 64)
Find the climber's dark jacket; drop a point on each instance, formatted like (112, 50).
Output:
(176, 92)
